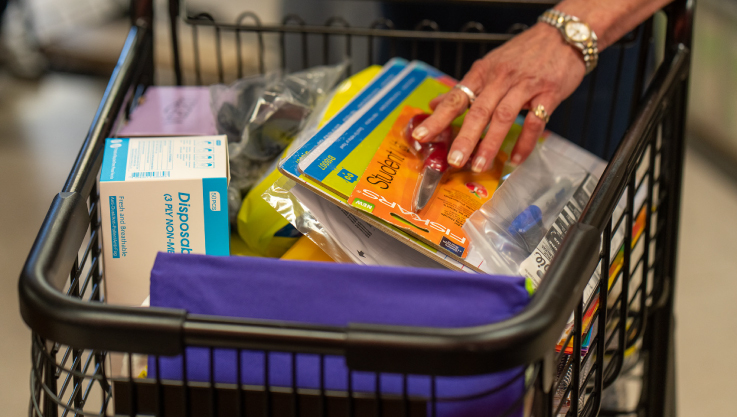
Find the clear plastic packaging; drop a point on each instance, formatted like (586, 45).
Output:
(280, 197)
(256, 221)
(278, 115)
(233, 104)
(507, 229)
(235, 199)
(343, 236)
(262, 114)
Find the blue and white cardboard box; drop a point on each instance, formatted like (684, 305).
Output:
(160, 195)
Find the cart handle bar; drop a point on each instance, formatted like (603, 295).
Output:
(522, 339)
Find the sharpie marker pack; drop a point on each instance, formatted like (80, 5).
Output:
(160, 195)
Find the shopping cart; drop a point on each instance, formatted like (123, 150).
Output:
(77, 338)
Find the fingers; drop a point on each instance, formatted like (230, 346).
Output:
(453, 104)
(474, 124)
(504, 115)
(532, 129)
(450, 106)
(434, 102)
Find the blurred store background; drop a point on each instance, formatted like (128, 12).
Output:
(712, 118)
(56, 55)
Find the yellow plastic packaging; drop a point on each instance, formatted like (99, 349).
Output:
(306, 250)
(239, 247)
(263, 231)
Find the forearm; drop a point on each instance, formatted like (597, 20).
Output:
(611, 19)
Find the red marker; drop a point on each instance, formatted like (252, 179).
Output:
(435, 156)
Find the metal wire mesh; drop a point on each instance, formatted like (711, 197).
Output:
(73, 381)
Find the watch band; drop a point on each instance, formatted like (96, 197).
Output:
(588, 45)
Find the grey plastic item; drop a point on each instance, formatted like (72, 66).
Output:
(272, 119)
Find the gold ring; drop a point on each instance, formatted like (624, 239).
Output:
(540, 112)
(467, 91)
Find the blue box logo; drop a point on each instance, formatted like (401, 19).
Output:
(347, 175)
(453, 248)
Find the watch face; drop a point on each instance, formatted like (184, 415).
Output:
(578, 31)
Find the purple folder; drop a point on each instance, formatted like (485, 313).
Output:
(172, 111)
(338, 294)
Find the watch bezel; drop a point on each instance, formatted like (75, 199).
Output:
(577, 22)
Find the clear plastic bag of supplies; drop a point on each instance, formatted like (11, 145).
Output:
(233, 104)
(536, 203)
(343, 236)
(271, 119)
(280, 197)
(264, 230)
(522, 227)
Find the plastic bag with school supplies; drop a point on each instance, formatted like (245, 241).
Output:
(556, 179)
(263, 229)
(520, 235)
(341, 235)
(233, 104)
(262, 115)
(344, 237)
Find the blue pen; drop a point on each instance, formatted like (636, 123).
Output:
(529, 225)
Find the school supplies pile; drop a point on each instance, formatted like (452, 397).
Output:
(361, 160)
(398, 199)
(363, 192)
(364, 161)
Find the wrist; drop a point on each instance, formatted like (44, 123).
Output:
(563, 50)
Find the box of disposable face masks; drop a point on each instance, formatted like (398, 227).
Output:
(160, 195)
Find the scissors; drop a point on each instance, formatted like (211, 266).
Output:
(435, 161)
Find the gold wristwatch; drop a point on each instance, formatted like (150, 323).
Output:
(576, 33)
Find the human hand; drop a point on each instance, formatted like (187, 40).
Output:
(537, 67)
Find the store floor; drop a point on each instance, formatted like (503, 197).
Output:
(43, 123)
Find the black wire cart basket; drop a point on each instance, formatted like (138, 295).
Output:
(635, 101)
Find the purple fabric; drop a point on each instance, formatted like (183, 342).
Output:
(337, 294)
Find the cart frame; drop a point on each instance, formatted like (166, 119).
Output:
(69, 329)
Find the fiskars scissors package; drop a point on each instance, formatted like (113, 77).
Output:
(412, 187)
(341, 234)
(364, 160)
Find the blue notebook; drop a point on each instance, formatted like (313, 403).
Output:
(392, 68)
